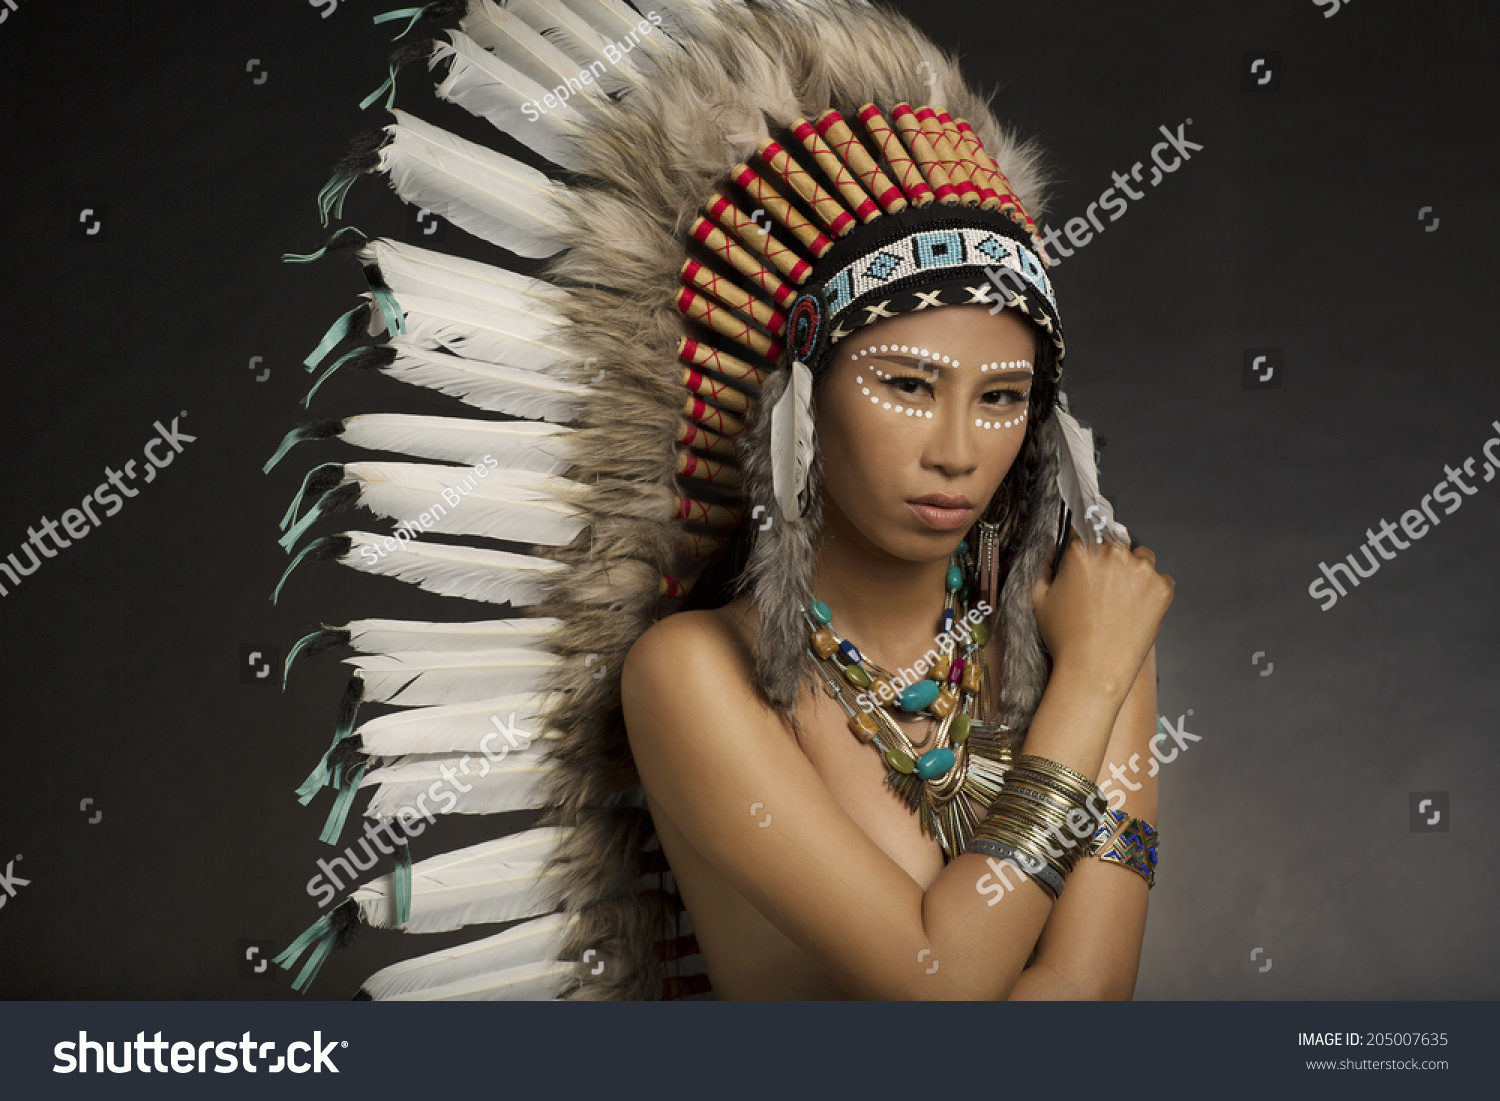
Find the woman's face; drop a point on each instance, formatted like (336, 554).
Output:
(919, 418)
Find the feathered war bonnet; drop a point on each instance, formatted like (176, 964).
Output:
(727, 190)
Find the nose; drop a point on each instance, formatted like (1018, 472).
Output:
(951, 446)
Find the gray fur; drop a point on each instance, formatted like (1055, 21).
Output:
(652, 159)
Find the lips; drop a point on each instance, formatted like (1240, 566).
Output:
(941, 511)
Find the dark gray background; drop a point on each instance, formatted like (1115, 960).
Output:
(1287, 827)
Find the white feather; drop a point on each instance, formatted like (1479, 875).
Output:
(419, 679)
(489, 386)
(494, 197)
(495, 333)
(616, 21)
(409, 270)
(394, 636)
(489, 575)
(792, 441)
(499, 880)
(520, 506)
(485, 86)
(1078, 482)
(495, 961)
(515, 42)
(494, 787)
(528, 982)
(558, 23)
(516, 445)
(458, 728)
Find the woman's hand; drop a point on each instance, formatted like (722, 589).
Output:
(1100, 613)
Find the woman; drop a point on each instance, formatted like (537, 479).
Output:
(833, 891)
(776, 207)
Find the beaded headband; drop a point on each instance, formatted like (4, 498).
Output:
(911, 215)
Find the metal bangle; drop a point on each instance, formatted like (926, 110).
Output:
(1029, 865)
(1046, 764)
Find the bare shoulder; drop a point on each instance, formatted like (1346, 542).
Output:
(688, 660)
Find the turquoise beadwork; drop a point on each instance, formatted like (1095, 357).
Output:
(821, 613)
(955, 578)
(934, 763)
(918, 695)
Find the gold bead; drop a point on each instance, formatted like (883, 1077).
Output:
(863, 727)
(947, 700)
(823, 642)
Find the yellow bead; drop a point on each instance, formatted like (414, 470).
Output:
(863, 727)
(971, 676)
(823, 642)
(946, 700)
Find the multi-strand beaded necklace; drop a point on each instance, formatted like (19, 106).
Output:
(965, 756)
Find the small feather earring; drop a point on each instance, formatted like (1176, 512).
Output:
(792, 441)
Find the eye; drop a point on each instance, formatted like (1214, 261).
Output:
(909, 384)
(1008, 395)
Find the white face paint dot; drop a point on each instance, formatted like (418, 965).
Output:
(945, 359)
(864, 389)
(885, 405)
(873, 401)
(903, 347)
(978, 423)
(883, 348)
(898, 408)
(987, 424)
(928, 415)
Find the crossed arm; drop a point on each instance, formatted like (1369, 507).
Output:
(706, 749)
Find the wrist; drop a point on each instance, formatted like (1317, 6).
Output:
(1084, 682)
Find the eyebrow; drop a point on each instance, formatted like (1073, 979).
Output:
(1015, 375)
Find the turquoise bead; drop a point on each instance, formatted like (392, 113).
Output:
(934, 763)
(963, 546)
(955, 578)
(918, 695)
(820, 612)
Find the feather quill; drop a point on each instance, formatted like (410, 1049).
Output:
(515, 42)
(485, 86)
(499, 880)
(792, 441)
(520, 506)
(510, 390)
(394, 636)
(494, 787)
(419, 678)
(457, 728)
(408, 269)
(493, 961)
(494, 197)
(496, 333)
(515, 445)
(558, 23)
(496, 577)
(543, 980)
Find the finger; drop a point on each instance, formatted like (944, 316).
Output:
(1145, 552)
